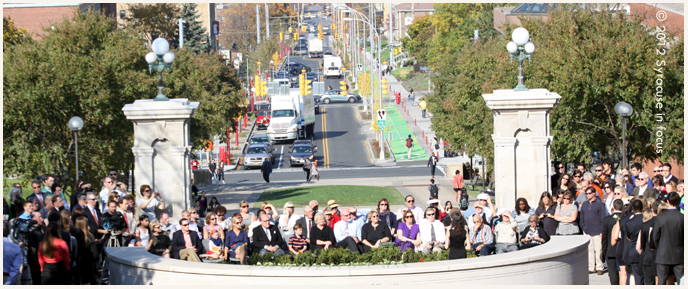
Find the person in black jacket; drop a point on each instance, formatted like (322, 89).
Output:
(608, 250)
(267, 238)
(631, 229)
(667, 237)
(533, 234)
(266, 169)
(647, 254)
(179, 248)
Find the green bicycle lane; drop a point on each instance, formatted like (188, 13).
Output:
(400, 131)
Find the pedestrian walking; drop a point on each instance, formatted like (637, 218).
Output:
(422, 105)
(212, 167)
(307, 163)
(409, 146)
(314, 170)
(266, 169)
(435, 147)
(412, 97)
(220, 172)
(432, 164)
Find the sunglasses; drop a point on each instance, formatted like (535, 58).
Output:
(91, 199)
(576, 176)
(244, 206)
(430, 214)
(592, 193)
(184, 225)
(237, 223)
(328, 215)
(598, 170)
(146, 190)
(607, 187)
(375, 216)
(409, 217)
(193, 213)
(383, 204)
(411, 201)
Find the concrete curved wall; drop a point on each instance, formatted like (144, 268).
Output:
(561, 261)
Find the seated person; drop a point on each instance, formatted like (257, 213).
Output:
(267, 238)
(297, 242)
(534, 234)
(408, 236)
(236, 240)
(322, 236)
(161, 244)
(374, 233)
(480, 211)
(347, 232)
(186, 245)
(506, 233)
(481, 237)
(432, 233)
(215, 245)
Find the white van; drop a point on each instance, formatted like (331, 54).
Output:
(332, 66)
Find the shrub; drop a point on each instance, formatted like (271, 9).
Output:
(336, 256)
(306, 258)
(381, 256)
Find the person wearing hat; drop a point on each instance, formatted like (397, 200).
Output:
(330, 217)
(434, 204)
(488, 207)
(332, 204)
(506, 233)
(288, 219)
(479, 212)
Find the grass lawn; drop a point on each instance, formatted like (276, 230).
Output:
(344, 195)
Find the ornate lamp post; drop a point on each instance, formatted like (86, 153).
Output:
(75, 124)
(516, 48)
(160, 59)
(625, 110)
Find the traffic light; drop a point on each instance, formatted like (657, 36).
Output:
(396, 52)
(385, 87)
(306, 86)
(302, 80)
(321, 36)
(343, 87)
(319, 27)
(263, 88)
(333, 26)
(336, 36)
(296, 36)
(290, 29)
(281, 36)
(256, 85)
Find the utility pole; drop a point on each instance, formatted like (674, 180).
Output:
(258, 24)
(267, 21)
(391, 35)
(181, 33)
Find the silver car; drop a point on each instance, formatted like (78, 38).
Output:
(255, 154)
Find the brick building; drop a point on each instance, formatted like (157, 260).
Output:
(36, 17)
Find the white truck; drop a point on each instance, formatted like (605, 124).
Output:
(315, 47)
(332, 66)
(293, 116)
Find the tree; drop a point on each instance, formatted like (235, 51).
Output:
(85, 67)
(195, 37)
(238, 26)
(12, 35)
(154, 19)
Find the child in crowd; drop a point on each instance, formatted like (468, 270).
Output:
(215, 245)
(297, 242)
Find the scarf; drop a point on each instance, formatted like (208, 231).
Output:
(217, 241)
(386, 217)
(532, 234)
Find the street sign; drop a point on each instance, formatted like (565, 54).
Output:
(216, 28)
(236, 63)
(381, 124)
(381, 115)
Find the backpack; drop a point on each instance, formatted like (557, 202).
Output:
(437, 146)
(463, 203)
(409, 142)
(434, 190)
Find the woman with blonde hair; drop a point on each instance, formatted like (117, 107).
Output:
(246, 216)
(270, 211)
(236, 241)
(619, 193)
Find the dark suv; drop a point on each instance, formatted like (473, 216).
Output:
(300, 150)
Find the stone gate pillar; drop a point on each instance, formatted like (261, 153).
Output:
(162, 149)
(522, 141)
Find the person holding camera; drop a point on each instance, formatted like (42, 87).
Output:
(112, 224)
(149, 201)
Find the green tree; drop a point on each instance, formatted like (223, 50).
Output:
(85, 67)
(195, 37)
(153, 19)
(12, 35)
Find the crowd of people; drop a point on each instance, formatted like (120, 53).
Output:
(639, 234)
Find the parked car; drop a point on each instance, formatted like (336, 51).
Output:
(263, 119)
(301, 150)
(335, 95)
(255, 154)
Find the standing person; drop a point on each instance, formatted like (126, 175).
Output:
(566, 214)
(307, 168)
(314, 169)
(37, 194)
(435, 147)
(88, 252)
(409, 146)
(423, 107)
(608, 249)
(412, 96)
(666, 174)
(108, 186)
(194, 164)
(546, 208)
(266, 169)
(432, 164)
(434, 190)
(212, 167)
(457, 237)
(559, 171)
(632, 229)
(648, 254)
(457, 184)
(668, 240)
(12, 257)
(53, 257)
(591, 215)
(50, 180)
(149, 201)
(220, 172)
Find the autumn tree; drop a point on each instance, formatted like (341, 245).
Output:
(12, 35)
(154, 19)
(238, 24)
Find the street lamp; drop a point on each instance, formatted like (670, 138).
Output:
(624, 110)
(75, 124)
(160, 59)
(516, 49)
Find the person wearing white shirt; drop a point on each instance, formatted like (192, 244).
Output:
(432, 233)
(288, 219)
(410, 204)
(108, 186)
(488, 207)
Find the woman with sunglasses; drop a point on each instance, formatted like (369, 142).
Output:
(270, 211)
(386, 216)
(236, 241)
(149, 201)
(577, 177)
(565, 183)
(246, 216)
(566, 214)
(161, 244)
(212, 205)
(408, 233)
(546, 208)
(211, 224)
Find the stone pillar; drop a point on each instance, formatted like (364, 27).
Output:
(162, 150)
(522, 141)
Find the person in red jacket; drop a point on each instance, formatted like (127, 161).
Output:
(53, 257)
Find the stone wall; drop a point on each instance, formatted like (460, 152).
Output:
(561, 261)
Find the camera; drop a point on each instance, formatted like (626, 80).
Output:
(23, 227)
(115, 223)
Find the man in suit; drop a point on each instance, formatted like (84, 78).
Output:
(666, 174)
(668, 240)
(81, 202)
(48, 189)
(631, 229)
(266, 169)
(642, 188)
(307, 222)
(266, 238)
(36, 186)
(608, 250)
(185, 243)
(92, 213)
